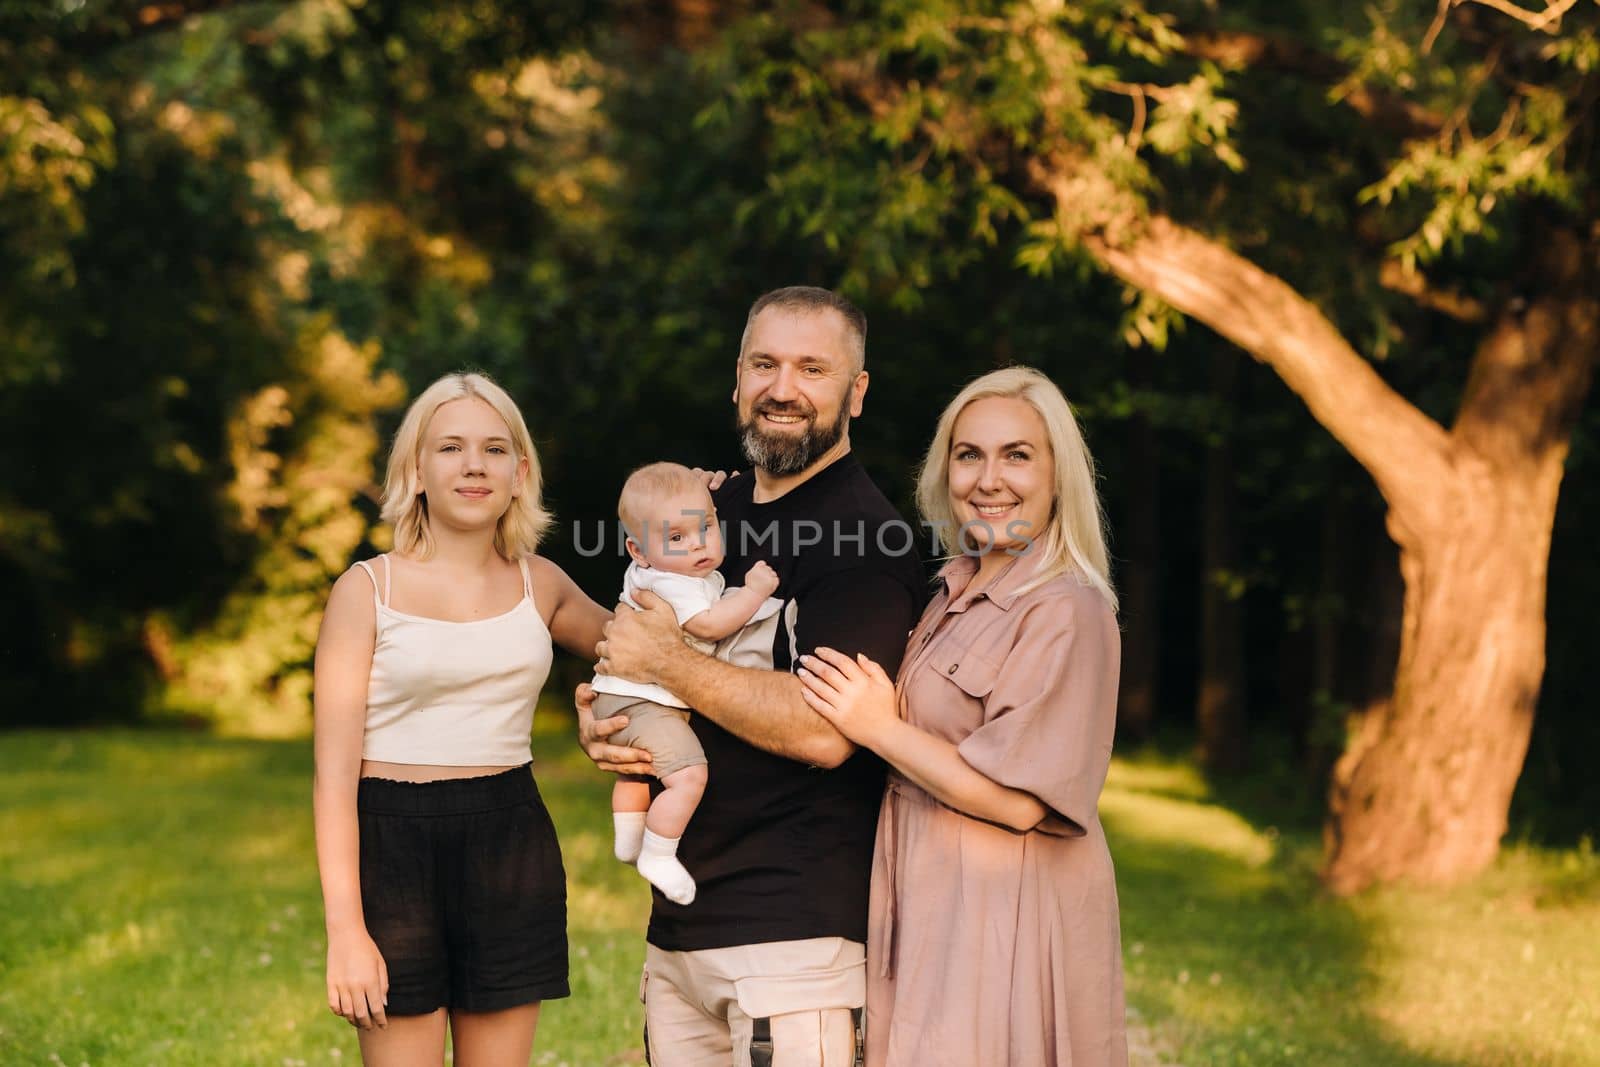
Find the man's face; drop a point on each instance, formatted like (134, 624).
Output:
(797, 389)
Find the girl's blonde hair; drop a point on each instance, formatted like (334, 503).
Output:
(1074, 541)
(406, 509)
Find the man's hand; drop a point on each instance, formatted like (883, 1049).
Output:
(713, 479)
(637, 643)
(592, 738)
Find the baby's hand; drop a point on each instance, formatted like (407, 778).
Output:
(761, 578)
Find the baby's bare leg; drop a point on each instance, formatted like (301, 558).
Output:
(630, 799)
(631, 793)
(671, 811)
(669, 814)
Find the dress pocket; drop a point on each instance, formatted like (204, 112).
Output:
(973, 674)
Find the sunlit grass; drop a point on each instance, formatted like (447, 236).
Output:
(159, 905)
(1235, 956)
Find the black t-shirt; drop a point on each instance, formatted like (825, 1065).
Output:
(781, 850)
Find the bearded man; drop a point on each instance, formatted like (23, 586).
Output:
(769, 958)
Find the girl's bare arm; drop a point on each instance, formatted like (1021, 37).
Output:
(357, 978)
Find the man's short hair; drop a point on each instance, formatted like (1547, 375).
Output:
(812, 299)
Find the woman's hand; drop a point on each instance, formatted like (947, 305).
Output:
(855, 695)
(358, 980)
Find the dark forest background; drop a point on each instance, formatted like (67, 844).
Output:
(236, 238)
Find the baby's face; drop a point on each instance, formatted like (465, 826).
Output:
(681, 535)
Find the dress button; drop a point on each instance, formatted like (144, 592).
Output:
(953, 667)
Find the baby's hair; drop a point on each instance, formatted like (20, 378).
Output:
(404, 508)
(646, 486)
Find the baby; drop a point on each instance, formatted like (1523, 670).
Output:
(676, 548)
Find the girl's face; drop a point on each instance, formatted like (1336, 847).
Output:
(469, 469)
(1002, 473)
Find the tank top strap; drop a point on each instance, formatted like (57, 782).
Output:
(527, 579)
(364, 565)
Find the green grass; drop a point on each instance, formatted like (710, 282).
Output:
(159, 905)
(1234, 956)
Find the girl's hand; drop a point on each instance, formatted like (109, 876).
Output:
(855, 695)
(358, 980)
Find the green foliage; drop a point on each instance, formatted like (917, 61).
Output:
(302, 453)
(902, 136)
(1510, 102)
(203, 218)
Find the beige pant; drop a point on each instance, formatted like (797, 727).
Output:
(718, 1006)
(663, 732)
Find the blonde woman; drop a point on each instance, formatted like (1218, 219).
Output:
(442, 882)
(993, 936)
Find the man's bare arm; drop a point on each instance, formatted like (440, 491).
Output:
(764, 708)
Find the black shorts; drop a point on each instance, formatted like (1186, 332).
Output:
(464, 892)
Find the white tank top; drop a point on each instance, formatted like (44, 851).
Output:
(458, 694)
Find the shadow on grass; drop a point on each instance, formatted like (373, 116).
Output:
(1234, 955)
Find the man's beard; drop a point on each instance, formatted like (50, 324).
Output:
(781, 454)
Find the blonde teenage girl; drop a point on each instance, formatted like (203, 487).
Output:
(442, 881)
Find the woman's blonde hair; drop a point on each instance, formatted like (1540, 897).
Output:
(1074, 541)
(406, 509)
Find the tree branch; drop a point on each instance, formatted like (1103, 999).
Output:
(1532, 372)
(1406, 452)
(1456, 305)
(1547, 20)
(145, 19)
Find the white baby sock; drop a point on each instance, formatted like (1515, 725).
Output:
(629, 834)
(658, 862)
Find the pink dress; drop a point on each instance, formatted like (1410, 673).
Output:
(987, 947)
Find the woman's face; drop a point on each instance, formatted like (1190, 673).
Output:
(469, 469)
(1002, 474)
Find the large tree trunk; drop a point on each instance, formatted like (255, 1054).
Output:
(1423, 791)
